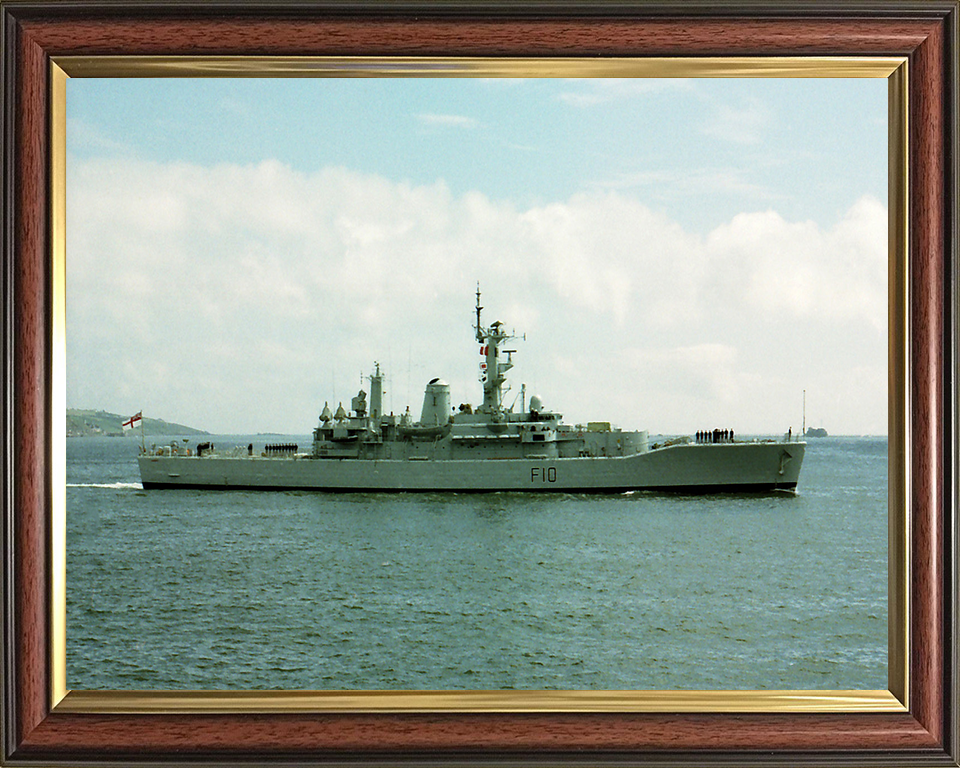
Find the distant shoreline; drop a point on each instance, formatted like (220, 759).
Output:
(96, 423)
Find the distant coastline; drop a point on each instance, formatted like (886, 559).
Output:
(91, 423)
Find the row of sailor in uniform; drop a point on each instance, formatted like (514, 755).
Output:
(715, 436)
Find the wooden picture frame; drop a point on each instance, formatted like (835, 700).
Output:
(38, 729)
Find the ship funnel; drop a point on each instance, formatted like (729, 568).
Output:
(436, 404)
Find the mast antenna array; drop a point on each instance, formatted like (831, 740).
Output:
(479, 331)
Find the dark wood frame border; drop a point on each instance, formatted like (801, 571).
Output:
(925, 32)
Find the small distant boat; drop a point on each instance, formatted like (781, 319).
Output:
(810, 431)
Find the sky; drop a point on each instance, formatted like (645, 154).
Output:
(674, 254)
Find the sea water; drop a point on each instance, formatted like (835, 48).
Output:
(185, 589)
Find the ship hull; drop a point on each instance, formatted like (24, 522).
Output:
(683, 468)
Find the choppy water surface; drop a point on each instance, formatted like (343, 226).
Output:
(228, 590)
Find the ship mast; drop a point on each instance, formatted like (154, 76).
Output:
(477, 326)
(492, 369)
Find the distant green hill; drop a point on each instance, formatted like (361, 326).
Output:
(86, 423)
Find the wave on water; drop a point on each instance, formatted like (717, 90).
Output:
(119, 486)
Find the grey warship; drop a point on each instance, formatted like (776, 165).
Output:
(487, 448)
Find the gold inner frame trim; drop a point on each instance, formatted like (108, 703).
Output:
(898, 416)
(415, 66)
(894, 69)
(58, 386)
(236, 702)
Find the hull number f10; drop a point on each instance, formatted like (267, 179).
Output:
(543, 474)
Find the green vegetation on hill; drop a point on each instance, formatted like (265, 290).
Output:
(88, 423)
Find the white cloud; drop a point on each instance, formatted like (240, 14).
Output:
(740, 125)
(504, 82)
(240, 298)
(234, 108)
(686, 183)
(796, 268)
(591, 92)
(447, 121)
(86, 137)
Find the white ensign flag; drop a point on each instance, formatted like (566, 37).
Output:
(132, 422)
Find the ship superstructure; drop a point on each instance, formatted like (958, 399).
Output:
(489, 447)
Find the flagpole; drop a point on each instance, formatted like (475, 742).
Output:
(143, 445)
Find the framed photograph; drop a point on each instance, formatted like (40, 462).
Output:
(454, 168)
